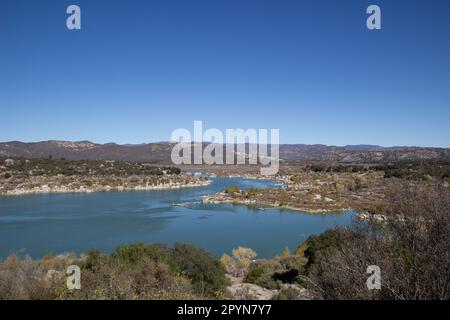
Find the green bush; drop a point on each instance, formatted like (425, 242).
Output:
(251, 193)
(270, 274)
(134, 253)
(206, 272)
(203, 270)
(231, 190)
(262, 273)
(329, 240)
(134, 271)
(294, 263)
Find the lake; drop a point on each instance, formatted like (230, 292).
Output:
(79, 222)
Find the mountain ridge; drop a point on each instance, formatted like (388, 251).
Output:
(159, 152)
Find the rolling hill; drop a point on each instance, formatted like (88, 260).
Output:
(159, 152)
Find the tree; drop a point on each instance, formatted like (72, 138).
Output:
(286, 252)
(244, 257)
(228, 263)
(411, 249)
(206, 272)
(239, 261)
(232, 190)
(282, 197)
(296, 178)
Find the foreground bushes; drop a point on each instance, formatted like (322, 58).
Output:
(412, 249)
(24, 279)
(274, 273)
(135, 271)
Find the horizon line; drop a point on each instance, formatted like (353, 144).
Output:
(167, 141)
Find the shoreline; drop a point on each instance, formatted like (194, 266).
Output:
(216, 198)
(213, 200)
(61, 189)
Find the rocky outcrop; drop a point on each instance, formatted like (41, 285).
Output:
(249, 291)
(240, 290)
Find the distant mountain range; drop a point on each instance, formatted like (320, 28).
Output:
(159, 152)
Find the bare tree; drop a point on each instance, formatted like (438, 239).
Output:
(412, 249)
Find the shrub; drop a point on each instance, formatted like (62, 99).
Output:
(286, 294)
(251, 193)
(411, 248)
(144, 280)
(286, 252)
(294, 263)
(205, 271)
(282, 197)
(262, 273)
(134, 271)
(135, 253)
(231, 190)
(296, 178)
(310, 248)
(25, 279)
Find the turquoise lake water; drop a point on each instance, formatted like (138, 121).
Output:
(77, 222)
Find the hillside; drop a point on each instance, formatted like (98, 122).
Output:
(159, 152)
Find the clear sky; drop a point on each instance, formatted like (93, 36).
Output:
(137, 70)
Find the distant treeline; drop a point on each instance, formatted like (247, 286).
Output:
(53, 167)
(420, 170)
(320, 167)
(403, 170)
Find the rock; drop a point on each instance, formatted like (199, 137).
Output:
(249, 291)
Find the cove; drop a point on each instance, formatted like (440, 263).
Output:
(76, 222)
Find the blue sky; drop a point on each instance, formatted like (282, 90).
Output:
(140, 69)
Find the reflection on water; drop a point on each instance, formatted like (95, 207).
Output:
(36, 224)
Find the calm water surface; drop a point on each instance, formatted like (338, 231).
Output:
(35, 224)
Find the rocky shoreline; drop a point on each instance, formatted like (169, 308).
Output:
(224, 198)
(43, 189)
(36, 176)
